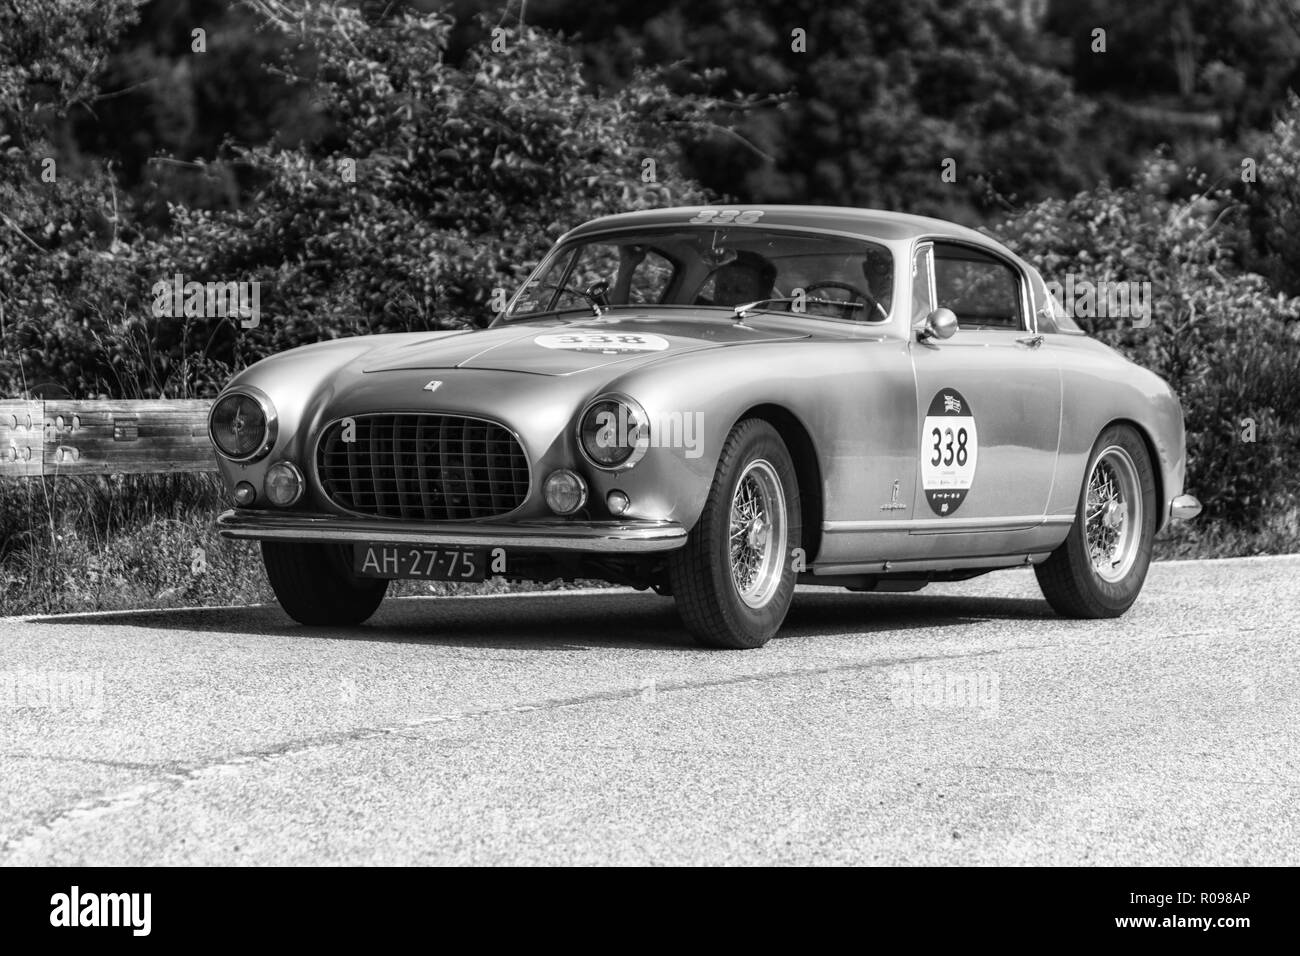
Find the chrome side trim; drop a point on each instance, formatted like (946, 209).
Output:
(597, 537)
(933, 564)
(923, 525)
(1184, 508)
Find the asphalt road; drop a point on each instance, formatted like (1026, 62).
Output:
(961, 724)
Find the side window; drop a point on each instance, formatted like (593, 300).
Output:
(981, 289)
(1051, 316)
(647, 274)
(597, 262)
(637, 274)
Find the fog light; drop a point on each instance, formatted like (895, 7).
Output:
(283, 484)
(617, 502)
(245, 494)
(565, 492)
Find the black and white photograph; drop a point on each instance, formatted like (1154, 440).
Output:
(694, 433)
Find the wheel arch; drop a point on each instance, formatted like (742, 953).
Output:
(807, 468)
(1157, 463)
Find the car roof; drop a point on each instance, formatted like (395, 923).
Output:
(869, 223)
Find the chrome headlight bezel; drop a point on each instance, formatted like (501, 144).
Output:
(270, 423)
(560, 473)
(300, 483)
(636, 450)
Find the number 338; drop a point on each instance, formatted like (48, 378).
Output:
(720, 217)
(944, 452)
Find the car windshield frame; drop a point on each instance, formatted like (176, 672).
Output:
(567, 254)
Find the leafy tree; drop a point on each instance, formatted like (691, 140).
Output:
(1236, 56)
(867, 110)
(426, 186)
(1274, 200)
(61, 227)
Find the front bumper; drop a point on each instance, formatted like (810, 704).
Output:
(1184, 508)
(548, 535)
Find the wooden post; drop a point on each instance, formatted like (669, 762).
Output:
(104, 438)
(21, 438)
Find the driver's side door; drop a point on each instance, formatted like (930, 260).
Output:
(988, 405)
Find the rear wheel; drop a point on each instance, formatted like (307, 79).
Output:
(733, 581)
(315, 585)
(1099, 569)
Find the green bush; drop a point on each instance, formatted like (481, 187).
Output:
(1273, 201)
(1224, 339)
(427, 186)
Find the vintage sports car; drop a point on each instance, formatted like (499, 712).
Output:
(717, 404)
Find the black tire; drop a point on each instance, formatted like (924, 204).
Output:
(1069, 578)
(709, 600)
(315, 585)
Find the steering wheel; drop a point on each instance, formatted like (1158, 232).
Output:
(844, 287)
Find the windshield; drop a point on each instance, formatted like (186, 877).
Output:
(836, 276)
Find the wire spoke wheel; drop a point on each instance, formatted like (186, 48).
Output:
(1113, 514)
(1098, 570)
(732, 581)
(757, 533)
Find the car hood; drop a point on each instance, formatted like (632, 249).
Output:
(563, 348)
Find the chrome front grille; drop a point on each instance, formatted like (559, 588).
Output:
(422, 467)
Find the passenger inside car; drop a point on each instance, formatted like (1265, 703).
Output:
(747, 278)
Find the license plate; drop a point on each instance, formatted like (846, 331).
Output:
(413, 561)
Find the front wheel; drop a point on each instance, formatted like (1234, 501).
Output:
(315, 585)
(734, 580)
(1099, 569)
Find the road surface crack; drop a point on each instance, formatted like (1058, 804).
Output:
(180, 775)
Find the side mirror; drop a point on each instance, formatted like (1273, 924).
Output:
(598, 292)
(939, 324)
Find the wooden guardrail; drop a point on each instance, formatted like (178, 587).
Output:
(59, 437)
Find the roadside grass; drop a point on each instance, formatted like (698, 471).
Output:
(1205, 538)
(142, 541)
(150, 541)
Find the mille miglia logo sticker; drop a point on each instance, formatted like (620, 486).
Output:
(949, 449)
(610, 343)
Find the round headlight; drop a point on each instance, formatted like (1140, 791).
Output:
(245, 494)
(283, 484)
(565, 492)
(242, 426)
(614, 433)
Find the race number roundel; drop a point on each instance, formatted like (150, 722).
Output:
(949, 448)
(581, 340)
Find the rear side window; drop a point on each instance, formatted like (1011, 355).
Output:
(1052, 316)
(981, 289)
(647, 275)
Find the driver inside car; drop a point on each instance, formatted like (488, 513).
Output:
(842, 295)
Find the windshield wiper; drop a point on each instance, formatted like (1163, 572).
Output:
(556, 312)
(740, 310)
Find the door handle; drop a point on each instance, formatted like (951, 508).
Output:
(1033, 341)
